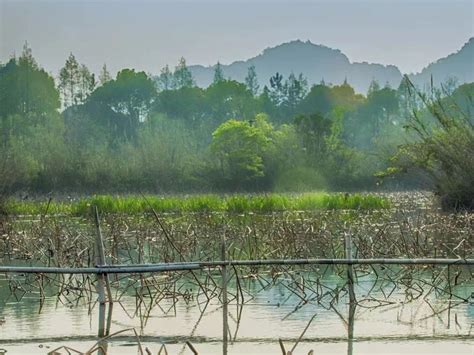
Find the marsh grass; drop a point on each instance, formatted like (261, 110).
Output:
(238, 203)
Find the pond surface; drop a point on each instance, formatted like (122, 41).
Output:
(422, 326)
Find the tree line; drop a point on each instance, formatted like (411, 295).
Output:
(136, 132)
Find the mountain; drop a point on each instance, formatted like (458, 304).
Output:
(459, 65)
(316, 62)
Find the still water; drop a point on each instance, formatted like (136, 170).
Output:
(422, 326)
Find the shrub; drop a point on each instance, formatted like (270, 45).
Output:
(444, 148)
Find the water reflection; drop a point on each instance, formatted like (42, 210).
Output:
(350, 328)
(270, 309)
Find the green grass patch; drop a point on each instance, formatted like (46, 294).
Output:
(237, 203)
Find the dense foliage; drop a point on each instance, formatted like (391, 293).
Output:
(444, 149)
(133, 132)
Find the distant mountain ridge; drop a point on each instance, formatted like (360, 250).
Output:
(459, 65)
(318, 62)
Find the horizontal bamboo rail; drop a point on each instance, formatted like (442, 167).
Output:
(183, 266)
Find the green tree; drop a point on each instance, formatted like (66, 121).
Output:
(182, 76)
(87, 83)
(165, 81)
(382, 105)
(345, 96)
(28, 96)
(239, 147)
(313, 130)
(123, 103)
(104, 75)
(69, 81)
(444, 148)
(29, 120)
(319, 100)
(187, 103)
(296, 89)
(218, 73)
(229, 99)
(251, 80)
(374, 86)
(265, 102)
(277, 89)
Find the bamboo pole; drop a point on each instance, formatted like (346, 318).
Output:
(225, 324)
(352, 296)
(163, 267)
(350, 328)
(102, 284)
(350, 267)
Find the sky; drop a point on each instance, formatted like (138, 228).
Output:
(146, 34)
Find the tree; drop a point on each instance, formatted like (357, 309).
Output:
(229, 99)
(240, 146)
(374, 86)
(28, 96)
(296, 89)
(444, 148)
(218, 73)
(104, 75)
(381, 105)
(286, 95)
(29, 120)
(76, 82)
(187, 103)
(319, 100)
(165, 81)
(69, 81)
(265, 102)
(313, 130)
(345, 96)
(450, 85)
(182, 76)
(124, 103)
(87, 83)
(277, 89)
(251, 80)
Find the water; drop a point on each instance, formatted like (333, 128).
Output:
(400, 327)
(405, 314)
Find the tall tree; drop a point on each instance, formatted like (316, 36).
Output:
(104, 75)
(87, 83)
(296, 89)
(265, 101)
(229, 99)
(251, 80)
(218, 73)
(374, 86)
(124, 103)
(319, 100)
(28, 96)
(277, 89)
(165, 81)
(69, 81)
(182, 76)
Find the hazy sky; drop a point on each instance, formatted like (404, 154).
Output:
(149, 34)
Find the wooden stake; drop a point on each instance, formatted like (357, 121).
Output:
(350, 267)
(225, 325)
(102, 283)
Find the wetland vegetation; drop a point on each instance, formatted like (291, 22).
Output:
(294, 203)
(289, 295)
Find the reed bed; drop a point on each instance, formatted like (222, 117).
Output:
(237, 203)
